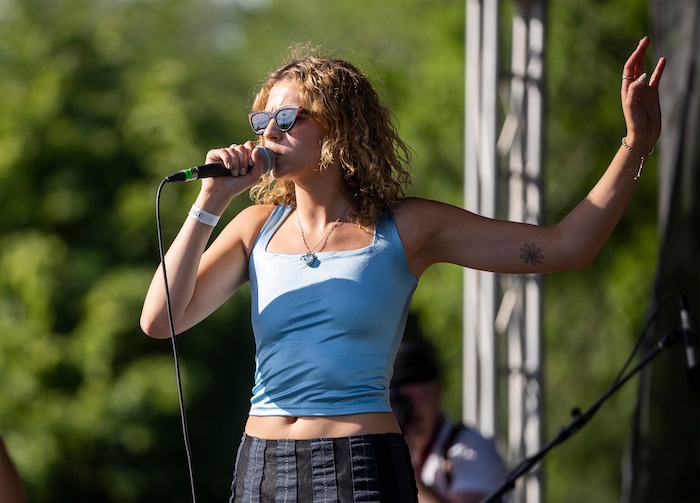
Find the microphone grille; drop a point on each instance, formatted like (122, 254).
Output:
(268, 157)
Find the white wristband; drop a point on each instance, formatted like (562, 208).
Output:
(203, 216)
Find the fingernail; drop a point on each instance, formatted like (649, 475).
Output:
(250, 163)
(642, 78)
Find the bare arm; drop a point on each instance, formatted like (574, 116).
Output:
(200, 281)
(434, 232)
(11, 488)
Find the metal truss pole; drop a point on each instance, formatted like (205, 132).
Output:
(503, 163)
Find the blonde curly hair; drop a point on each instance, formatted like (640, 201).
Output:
(358, 134)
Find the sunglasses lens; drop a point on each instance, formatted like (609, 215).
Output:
(285, 118)
(259, 121)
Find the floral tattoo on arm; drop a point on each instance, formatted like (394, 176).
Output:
(531, 254)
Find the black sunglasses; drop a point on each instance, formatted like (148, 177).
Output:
(284, 119)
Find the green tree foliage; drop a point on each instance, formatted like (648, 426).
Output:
(101, 99)
(594, 316)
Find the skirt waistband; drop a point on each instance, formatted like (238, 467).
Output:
(370, 468)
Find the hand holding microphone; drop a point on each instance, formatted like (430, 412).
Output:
(219, 169)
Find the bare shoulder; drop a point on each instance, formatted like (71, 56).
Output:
(421, 205)
(433, 231)
(246, 226)
(256, 213)
(419, 223)
(424, 215)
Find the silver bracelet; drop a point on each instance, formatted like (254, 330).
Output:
(203, 216)
(642, 157)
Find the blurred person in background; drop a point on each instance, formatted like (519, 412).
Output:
(453, 463)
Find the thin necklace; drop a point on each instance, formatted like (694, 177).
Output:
(310, 256)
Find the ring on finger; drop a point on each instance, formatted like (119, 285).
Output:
(627, 77)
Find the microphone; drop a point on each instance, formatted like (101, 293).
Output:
(689, 343)
(218, 169)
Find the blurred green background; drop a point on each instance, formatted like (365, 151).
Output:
(101, 99)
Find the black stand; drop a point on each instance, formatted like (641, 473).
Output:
(580, 419)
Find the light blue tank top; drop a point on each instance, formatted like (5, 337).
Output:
(326, 336)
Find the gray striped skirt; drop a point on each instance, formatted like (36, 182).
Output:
(359, 468)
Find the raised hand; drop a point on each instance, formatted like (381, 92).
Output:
(640, 100)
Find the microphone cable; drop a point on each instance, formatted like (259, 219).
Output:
(183, 415)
